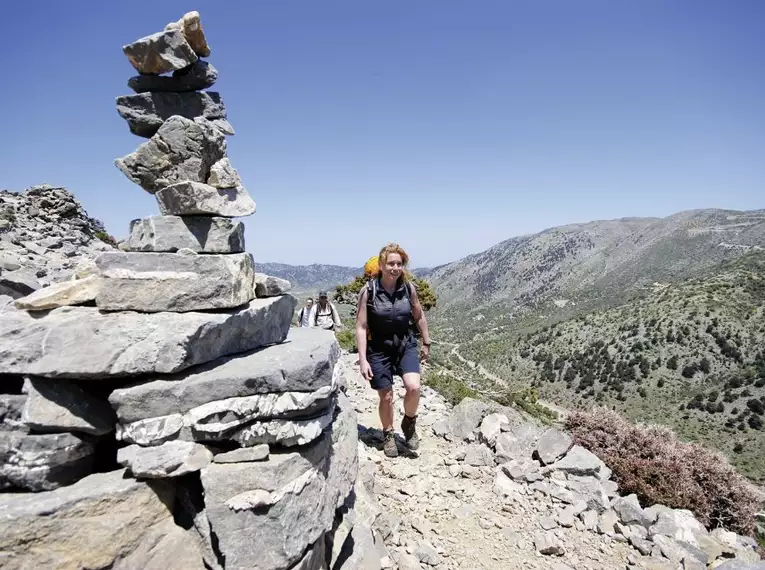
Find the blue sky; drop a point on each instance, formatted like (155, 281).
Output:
(445, 125)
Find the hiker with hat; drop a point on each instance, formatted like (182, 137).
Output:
(387, 306)
(324, 315)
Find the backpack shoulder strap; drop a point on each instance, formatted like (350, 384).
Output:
(371, 291)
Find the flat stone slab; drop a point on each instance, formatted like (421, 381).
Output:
(59, 405)
(304, 363)
(182, 150)
(202, 234)
(171, 459)
(200, 75)
(63, 294)
(243, 455)
(194, 198)
(161, 52)
(221, 419)
(43, 462)
(284, 432)
(102, 521)
(154, 282)
(146, 112)
(268, 286)
(130, 343)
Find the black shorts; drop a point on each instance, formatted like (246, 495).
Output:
(387, 363)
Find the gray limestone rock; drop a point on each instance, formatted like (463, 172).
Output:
(243, 454)
(740, 565)
(285, 517)
(547, 543)
(62, 406)
(155, 282)
(478, 455)
(200, 75)
(629, 510)
(267, 286)
(195, 198)
(43, 462)
(11, 408)
(591, 491)
(171, 459)
(203, 234)
(190, 26)
(344, 462)
(223, 175)
(466, 417)
(305, 363)
(284, 432)
(580, 461)
(552, 445)
(19, 283)
(491, 426)
(182, 150)
(146, 112)
(130, 343)
(161, 52)
(103, 521)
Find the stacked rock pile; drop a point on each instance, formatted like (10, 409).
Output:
(239, 449)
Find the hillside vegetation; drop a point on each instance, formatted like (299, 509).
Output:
(689, 355)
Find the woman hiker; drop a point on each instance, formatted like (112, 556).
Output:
(386, 342)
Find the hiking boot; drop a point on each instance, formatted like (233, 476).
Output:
(389, 444)
(408, 426)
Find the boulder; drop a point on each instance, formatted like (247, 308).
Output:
(344, 461)
(552, 445)
(629, 510)
(62, 406)
(504, 486)
(19, 283)
(11, 408)
(155, 282)
(43, 462)
(146, 112)
(740, 565)
(296, 518)
(580, 461)
(61, 295)
(679, 524)
(106, 520)
(161, 52)
(466, 417)
(194, 198)
(491, 426)
(200, 75)
(243, 454)
(267, 286)
(547, 543)
(182, 150)
(591, 491)
(130, 343)
(190, 26)
(171, 459)
(223, 175)
(518, 443)
(202, 234)
(305, 363)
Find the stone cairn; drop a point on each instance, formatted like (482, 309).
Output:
(238, 447)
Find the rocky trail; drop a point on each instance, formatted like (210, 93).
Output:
(473, 497)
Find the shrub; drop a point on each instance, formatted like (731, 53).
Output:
(346, 338)
(452, 389)
(648, 460)
(106, 238)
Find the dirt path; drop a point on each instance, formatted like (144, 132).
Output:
(562, 412)
(433, 503)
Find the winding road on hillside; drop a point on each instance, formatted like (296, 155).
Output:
(562, 412)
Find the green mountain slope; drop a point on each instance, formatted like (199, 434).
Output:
(689, 355)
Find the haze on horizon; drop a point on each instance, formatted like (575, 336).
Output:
(445, 127)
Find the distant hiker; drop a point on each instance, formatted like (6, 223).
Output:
(324, 315)
(387, 345)
(304, 315)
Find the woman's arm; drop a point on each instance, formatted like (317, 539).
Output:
(362, 328)
(419, 317)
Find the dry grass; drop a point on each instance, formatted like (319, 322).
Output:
(651, 462)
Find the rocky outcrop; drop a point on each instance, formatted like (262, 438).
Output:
(175, 424)
(45, 234)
